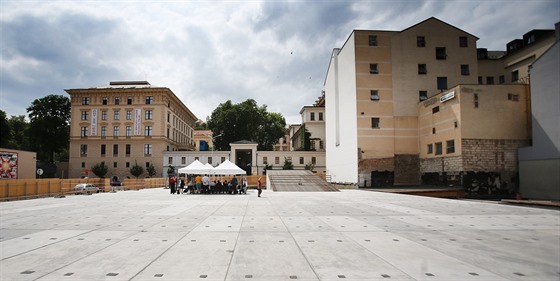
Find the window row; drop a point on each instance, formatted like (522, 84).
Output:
(117, 100)
(501, 78)
(148, 131)
(148, 115)
(312, 116)
(116, 165)
(301, 160)
(423, 69)
(420, 41)
(449, 147)
(103, 150)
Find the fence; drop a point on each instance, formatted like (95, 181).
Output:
(33, 188)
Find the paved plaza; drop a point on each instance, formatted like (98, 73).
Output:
(348, 235)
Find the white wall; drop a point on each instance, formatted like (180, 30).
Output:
(340, 116)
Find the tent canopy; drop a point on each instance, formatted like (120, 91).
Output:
(196, 168)
(228, 168)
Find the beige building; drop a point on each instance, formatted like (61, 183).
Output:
(18, 164)
(312, 124)
(470, 134)
(206, 137)
(126, 123)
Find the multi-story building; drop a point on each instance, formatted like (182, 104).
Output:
(126, 123)
(203, 140)
(312, 129)
(377, 79)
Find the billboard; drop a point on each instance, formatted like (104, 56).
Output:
(9, 161)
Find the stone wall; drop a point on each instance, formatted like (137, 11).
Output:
(407, 169)
(491, 155)
(366, 166)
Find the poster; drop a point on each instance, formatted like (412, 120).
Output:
(9, 161)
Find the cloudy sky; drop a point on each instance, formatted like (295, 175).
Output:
(208, 52)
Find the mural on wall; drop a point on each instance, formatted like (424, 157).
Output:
(9, 166)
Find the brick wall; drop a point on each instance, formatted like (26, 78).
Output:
(366, 166)
(451, 165)
(407, 169)
(491, 155)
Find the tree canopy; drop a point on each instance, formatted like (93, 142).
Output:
(50, 123)
(245, 121)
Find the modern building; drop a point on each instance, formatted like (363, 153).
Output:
(126, 123)
(376, 81)
(539, 164)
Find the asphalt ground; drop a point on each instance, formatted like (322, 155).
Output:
(348, 235)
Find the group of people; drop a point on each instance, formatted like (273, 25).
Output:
(203, 185)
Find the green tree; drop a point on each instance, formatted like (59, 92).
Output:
(245, 121)
(200, 125)
(136, 170)
(50, 123)
(287, 164)
(151, 170)
(100, 169)
(5, 131)
(19, 133)
(170, 171)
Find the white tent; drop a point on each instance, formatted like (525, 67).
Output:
(195, 168)
(210, 168)
(228, 168)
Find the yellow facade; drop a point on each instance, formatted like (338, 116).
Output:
(126, 123)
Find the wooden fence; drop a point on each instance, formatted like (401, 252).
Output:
(34, 188)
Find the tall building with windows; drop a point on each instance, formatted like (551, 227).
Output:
(124, 123)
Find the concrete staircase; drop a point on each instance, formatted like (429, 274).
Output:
(297, 180)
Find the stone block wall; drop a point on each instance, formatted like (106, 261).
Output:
(407, 169)
(366, 166)
(491, 155)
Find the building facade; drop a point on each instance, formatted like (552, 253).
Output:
(126, 123)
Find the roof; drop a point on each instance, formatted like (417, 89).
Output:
(244, 142)
(436, 19)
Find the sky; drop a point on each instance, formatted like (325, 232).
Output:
(207, 52)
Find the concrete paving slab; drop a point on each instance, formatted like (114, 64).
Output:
(347, 235)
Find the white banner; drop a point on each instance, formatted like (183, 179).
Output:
(137, 121)
(94, 122)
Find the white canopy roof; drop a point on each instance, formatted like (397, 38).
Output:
(228, 168)
(196, 168)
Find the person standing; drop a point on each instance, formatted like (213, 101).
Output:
(259, 186)
(172, 184)
(244, 185)
(198, 183)
(205, 184)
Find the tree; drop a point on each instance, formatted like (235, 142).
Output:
(100, 169)
(19, 131)
(136, 170)
(151, 170)
(5, 131)
(287, 164)
(245, 121)
(50, 123)
(200, 125)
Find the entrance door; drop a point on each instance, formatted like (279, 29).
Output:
(243, 159)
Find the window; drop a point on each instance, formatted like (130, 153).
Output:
(430, 148)
(314, 160)
(321, 145)
(103, 131)
(168, 117)
(103, 115)
(85, 100)
(442, 83)
(479, 80)
(83, 164)
(103, 150)
(127, 164)
(148, 131)
(265, 160)
(513, 97)
(85, 115)
(463, 42)
(530, 39)
(209, 160)
(127, 149)
(373, 68)
(84, 132)
(129, 115)
(502, 79)
(83, 149)
(374, 95)
(183, 160)
(441, 54)
(375, 122)
(465, 69)
(223, 159)
(147, 149)
(312, 117)
(420, 41)
(372, 40)
(423, 95)
(276, 160)
(129, 100)
(115, 164)
(435, 109)
(514, 76)
(301, 160)
(489, 80)
(115, 131)
(148, 114)
(438, 148)
(320, 116)
(128, 131)
(117, 100)
(115, 150)
(475, 100)
(450, 146)
(422, 69)
(169, 160)
(117, 115)
(149, 100)
(148, 164)
(104, 101)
